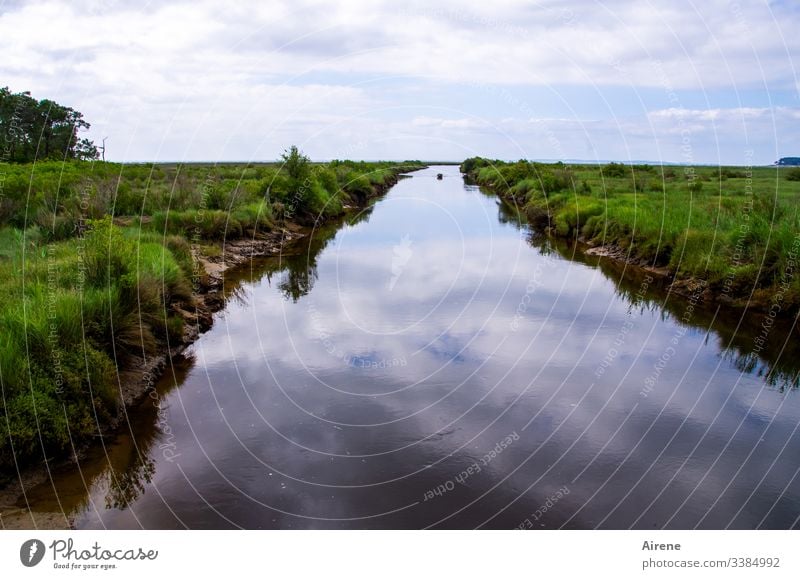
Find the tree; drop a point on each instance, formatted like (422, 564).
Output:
(295, 164)
(35, 130)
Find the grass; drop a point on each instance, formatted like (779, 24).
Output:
(73, 313)
(96, 261)
(737, 228)
(56, 196)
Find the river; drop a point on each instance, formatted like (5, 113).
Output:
(434, 363)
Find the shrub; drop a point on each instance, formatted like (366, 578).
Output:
(296, 165)
(57, 226)
(793, 174)
(614, 170)
(537, 216)
(640, 184)
(471, 165)
(729, 173)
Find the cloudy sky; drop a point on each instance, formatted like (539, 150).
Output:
(693, 82)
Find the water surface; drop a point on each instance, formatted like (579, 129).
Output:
(432, 363)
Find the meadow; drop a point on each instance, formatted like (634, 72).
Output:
(736, 228)
(98, 262)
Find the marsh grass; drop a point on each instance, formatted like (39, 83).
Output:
(83, 297)
(55, 196)
(736, 228)
(73, 313)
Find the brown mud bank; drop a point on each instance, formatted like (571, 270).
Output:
(689, 288)
(758, 302)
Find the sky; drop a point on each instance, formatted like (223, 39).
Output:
(703, 82)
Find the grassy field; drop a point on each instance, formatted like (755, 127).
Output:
(737, 228)
(96, 261)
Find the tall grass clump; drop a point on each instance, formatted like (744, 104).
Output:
(74, 313)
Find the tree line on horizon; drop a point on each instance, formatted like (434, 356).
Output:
(35, 130)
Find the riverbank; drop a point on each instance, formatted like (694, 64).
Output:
(138, 378)
(53, 490)
(732, 230)
(96, 304)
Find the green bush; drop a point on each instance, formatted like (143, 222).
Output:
(695, 186)
(793, 174)
(614, 170)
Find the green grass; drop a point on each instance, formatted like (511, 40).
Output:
(83, 297)
(73, 312)
(736, 228)
(56, 196)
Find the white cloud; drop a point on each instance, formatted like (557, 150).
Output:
(736, 135)
(710, 114)
(464, 123)
(182, 70)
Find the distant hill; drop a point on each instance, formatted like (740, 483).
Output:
(793, 161)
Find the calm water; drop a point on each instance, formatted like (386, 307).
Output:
(431, 364)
